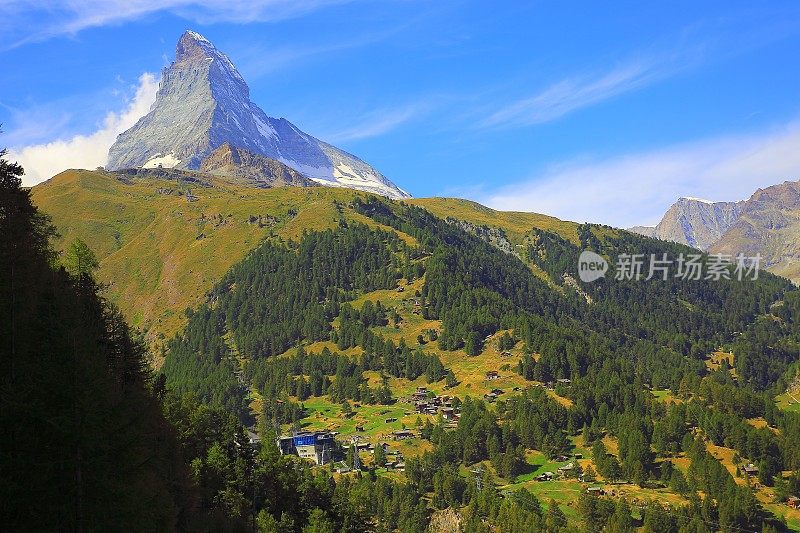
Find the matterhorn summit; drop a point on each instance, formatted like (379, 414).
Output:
(204, 103)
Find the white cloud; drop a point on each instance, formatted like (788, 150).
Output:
(42, 161)
(67, 17)
(637, 188)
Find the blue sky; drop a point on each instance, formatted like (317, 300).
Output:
(605, 112)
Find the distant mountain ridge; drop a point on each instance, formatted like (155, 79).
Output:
(767, 223)
(698, 223)
(203, 103)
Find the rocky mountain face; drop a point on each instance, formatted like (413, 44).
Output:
(768, 223)
(248, 168)
(698, 223)
(204, 103)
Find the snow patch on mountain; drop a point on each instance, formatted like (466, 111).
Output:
(163, 161)
(693, 199)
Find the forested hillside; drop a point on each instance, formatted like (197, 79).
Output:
(321, 332)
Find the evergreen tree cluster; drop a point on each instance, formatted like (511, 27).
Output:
(83, 442)
(276, 297)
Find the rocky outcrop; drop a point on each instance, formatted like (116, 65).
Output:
(769, 225)
(252, 169)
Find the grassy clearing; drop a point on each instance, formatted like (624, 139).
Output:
(612, 446)
(715, 359)
(788, 402)
(539, 464)
(666, 396)
(470, 371)
(725, 456)
(323, 415)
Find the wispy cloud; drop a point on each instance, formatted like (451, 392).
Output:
(637, 188)
(257, 59)
(66, 17)
(378, 122)
(42, 161)
(568, 95)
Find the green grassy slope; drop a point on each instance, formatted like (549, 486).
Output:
(160, 253)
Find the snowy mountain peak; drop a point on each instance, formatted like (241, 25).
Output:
(203, 103)
(194, 47)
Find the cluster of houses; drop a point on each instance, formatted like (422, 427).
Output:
(428, 404)
(394, 458)
(320, 447)
(415, 303)
(750, 470)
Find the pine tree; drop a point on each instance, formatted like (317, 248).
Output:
(556, 520)
(79, 260)
(318, 522)
(380, 455)
(621, 521)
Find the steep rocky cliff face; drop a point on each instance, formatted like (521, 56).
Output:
(204, 103)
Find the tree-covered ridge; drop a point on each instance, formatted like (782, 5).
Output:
(278, 296)
(653, 333)
(475, 289)
(767, 348)
(675, 310)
